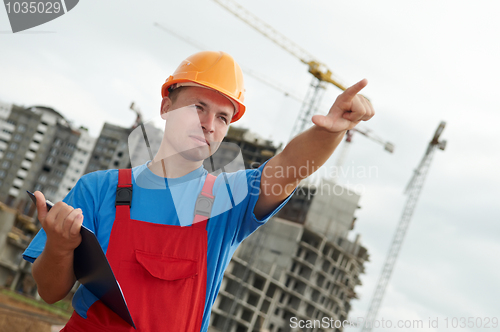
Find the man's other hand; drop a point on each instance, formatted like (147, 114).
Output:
(61, 224)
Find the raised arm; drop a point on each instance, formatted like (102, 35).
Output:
(311, 149)
(53, 269)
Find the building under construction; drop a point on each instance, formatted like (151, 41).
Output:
(304, 268)
(39, 150)
(300, 264)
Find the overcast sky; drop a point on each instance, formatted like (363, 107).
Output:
(426, 62)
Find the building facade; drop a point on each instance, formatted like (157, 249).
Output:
(39, 150)
(110, 150)
(300, 264)
(300, 269)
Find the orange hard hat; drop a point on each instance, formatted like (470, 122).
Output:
(215, 70)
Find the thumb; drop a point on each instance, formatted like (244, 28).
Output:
(319, 120)
(41, 206)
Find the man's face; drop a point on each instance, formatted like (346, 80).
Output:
(196, 122)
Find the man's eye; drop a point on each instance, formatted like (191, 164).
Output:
(198, 107)
(223, 119)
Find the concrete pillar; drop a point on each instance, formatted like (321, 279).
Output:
(7, 219)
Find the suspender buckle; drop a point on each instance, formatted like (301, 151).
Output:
(203, 205)
(124, 196)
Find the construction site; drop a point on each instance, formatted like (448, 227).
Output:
(301, 264)
(305, 264)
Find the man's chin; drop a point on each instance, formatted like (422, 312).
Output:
(196, 154)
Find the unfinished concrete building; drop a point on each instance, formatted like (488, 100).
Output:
(300, 264)
(110, 150)
(304, 268)
(39, 150)
(37, 146)
(254, 149)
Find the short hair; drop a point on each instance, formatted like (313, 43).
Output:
(174, 93)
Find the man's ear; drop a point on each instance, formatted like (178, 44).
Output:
(166, 103)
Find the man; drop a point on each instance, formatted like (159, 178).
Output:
(169, 274)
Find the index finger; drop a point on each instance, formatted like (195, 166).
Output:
(353, 90)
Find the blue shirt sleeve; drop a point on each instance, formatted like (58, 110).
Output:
(81, 196)
(249, 221)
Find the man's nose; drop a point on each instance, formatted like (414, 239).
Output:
(207, 122)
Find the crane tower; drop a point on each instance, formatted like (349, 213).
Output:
(321, 73)
(388, 146)
(413, 190)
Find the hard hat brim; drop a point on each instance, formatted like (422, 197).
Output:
(239, 107)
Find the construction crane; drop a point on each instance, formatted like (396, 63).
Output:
(321, 73)
(138, 120)
(413, 190)
(388, 146)
(266, 80)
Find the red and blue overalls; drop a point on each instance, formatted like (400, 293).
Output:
(162, 270)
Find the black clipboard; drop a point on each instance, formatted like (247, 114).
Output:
(92, 269)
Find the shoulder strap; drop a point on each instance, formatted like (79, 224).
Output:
(124, 194)
(204, 202)
(203, 206)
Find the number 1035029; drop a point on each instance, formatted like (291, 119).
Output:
(33, 7)
(471, 322)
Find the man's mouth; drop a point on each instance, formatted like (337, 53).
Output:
(200, 139)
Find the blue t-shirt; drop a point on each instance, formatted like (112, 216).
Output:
(170, 202)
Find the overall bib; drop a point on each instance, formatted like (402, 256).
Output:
(162, 270)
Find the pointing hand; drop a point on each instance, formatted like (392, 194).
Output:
(347, 111)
